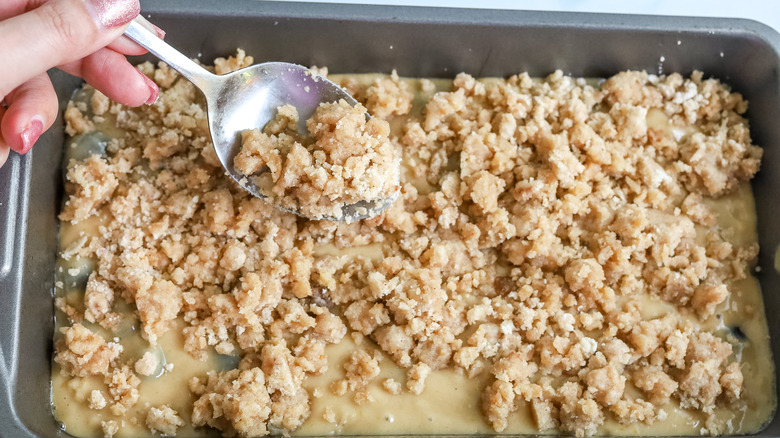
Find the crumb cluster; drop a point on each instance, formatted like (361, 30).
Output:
(536, 217)
(344, 160)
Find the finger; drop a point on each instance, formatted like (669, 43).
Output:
(4, 150)
(114, 76)
(59, 32)
(123, 44)
(127, 46)
(12, 8)
(32, 108)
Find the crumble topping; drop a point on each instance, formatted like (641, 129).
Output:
(97, 400)
(348, 159)
(80, 352)
(147, 364)
(163, 420)
(535, 221)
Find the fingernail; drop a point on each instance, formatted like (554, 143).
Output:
(31, 133)
(150, 27)
(113, 13)
(154, 90)
(160, 32)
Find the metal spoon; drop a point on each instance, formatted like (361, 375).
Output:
(247, 99)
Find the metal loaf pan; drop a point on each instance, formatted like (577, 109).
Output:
(416, 42)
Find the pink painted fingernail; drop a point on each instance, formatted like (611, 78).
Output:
(160, 32)
(113, 13)
(30, 134)
(154, 90)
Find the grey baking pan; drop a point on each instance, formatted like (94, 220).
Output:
(417, 42)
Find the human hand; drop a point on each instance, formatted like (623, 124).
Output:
(81, 37)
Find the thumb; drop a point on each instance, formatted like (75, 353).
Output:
(59, 32)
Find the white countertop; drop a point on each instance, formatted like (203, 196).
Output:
(765, 11)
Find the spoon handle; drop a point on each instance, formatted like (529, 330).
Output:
(198, 75)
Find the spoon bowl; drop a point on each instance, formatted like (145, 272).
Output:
(247, 99)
